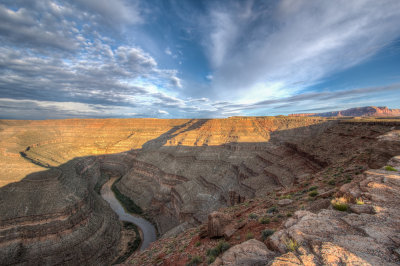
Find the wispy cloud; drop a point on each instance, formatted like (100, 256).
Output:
(276, 45)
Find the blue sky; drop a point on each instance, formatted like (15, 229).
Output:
(190, 59)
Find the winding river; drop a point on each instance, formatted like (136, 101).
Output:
(148, 230)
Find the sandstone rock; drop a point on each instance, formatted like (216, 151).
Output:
(363, 237)
(284, 202)
(217, 224)
(361, 209)
(251, 252)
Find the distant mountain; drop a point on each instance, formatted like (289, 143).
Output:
(369, 111)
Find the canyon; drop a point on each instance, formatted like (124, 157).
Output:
(177, 171)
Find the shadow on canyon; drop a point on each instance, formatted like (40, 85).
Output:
(48, 215)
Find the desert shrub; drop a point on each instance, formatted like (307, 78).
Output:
(331, 182)
(291, 244)
(249, 235)
(359, 201)
(196, 260)
(390, 168)
(210, 259)
(266, 233)
(272, 209)
(289, 196)
(223, 246)
(264, 220)
(289, 214)
(253, 216)
(198, 244)
(313, 193)
(275, 219)
(212, 252)
(313, 188)
(340, 204)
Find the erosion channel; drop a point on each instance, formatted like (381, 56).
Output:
(148, 230)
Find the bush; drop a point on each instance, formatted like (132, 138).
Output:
(196, 260)
(253, 216)
(313, 188)
(289, 196)
(264, 220)
(198, 244)
(272, 209)
(331, 182)
(291, 244)
(359, 201)
(249, 235)
(390, 168)
(340, 204)
(313, 193)
(212, 252)
(289, 214)
(266, 233)
(221, 247)
(210, 259)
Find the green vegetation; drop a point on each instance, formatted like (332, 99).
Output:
(210, 259)
(221, 247)
(272, 209)
(340, 204)
(264, 220)
(249, 235)
(132, 245)
(198, 244)
(291, 244)
(289, 214)
(196, 260)
(313, 193)
(289, 196)
(313, 188)
(266, 233)
(390, 168)
(128, 204)
(331, 182)
(360, 201)
(253, 216)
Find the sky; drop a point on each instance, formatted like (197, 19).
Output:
(196, 59)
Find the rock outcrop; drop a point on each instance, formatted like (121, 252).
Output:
(368, 236)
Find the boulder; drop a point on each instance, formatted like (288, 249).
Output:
(217, 223)
(284, 202)
(251, 252)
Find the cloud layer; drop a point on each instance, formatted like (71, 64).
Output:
(88, 58)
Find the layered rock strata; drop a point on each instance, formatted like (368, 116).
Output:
(55, 217)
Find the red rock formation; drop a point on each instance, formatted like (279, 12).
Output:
(367, 111)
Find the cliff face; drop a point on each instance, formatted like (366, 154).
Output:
(53, 142)
(55, 217)
(367, 111)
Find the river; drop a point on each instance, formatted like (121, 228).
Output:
(148, 230)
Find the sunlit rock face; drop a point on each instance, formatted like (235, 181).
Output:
(53, 142)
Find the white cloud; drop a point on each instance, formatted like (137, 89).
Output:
(294, 41)
(162, 112)
(168, 51)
